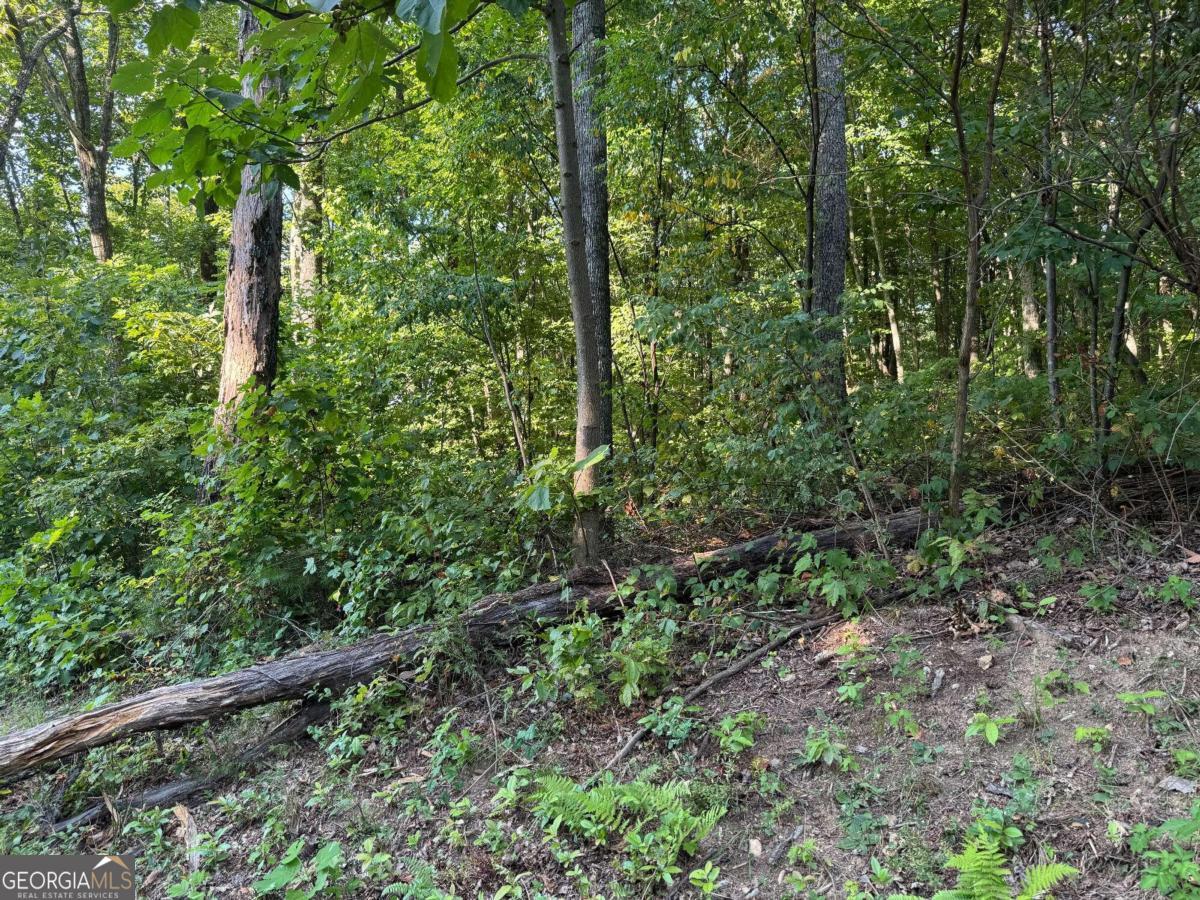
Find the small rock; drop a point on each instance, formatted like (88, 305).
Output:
(1177, 784)
(755, 847)
(937, 682)
(986, 661)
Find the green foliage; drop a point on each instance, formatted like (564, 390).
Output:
(983, 875)
(989, 728)
(737, 732)
(657, 823)
(321, 876)
(1168, 856)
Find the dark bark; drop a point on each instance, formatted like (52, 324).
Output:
(831, 199)
(588, 27)
(1049, 199)
(207, 258)
(590, 429)
(497, 616)
(252, 286)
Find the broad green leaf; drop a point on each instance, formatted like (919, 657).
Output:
(116, 7)
(591, 459)
(135, 77)
(515, 8)
(539, 500)
(193, 151)
(426, 13)
(171, 26)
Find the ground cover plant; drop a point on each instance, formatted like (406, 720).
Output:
(505, 450)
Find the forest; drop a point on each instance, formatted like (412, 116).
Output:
(510, 449)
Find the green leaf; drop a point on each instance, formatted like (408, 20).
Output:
(193, 151)
(515, 8)
(116, 7)
(171, 26)
(426, 13)
(437, 66)
(591, 459)
(539, 500)
(135, 77)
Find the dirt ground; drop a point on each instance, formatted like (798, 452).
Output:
(1074, 767)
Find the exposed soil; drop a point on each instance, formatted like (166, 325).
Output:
(904, 799)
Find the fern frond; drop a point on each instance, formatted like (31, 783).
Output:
(1040, 880)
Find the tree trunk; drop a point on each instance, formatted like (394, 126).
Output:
(590, 429)
(591, 132)
(207, 259)
(252, 285)
(1031, 324)
(92, 175)
(888, 300)
(308, 261)
(831, 201)
(975, 191)
(1049, 199)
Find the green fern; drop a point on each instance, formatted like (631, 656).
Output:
(983, 875)
(656, 822)
(1040, 880)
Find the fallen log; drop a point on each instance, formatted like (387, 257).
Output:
(294, 677)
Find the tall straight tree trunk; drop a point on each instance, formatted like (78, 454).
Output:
(976, 191)
(1031, 323)
(252, 286)
(831, 200)
(588, 27)
(889, 301)
(1049, 200)
(308, 262)
(206, 262)
(589, 392)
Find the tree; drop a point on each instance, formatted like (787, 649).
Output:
(91, 134)
(829, 100)
(252, 286)
(590, 404)
(588, 21)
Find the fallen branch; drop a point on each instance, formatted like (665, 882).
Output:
(495, 616)
(289, 731)
(721, 677)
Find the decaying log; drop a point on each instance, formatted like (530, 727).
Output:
(494, 616)
(292, 729)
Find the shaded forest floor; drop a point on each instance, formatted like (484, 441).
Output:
(843, 761)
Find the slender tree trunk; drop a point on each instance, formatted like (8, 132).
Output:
(831, 200)
(252, 286)
(31, 58)
(591, 133)
(1118, 336)
(889, 301)
(308, 228)
(206, 207)
(976, 191)
(1049, 200)
(1031, 324)
(589, 407)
